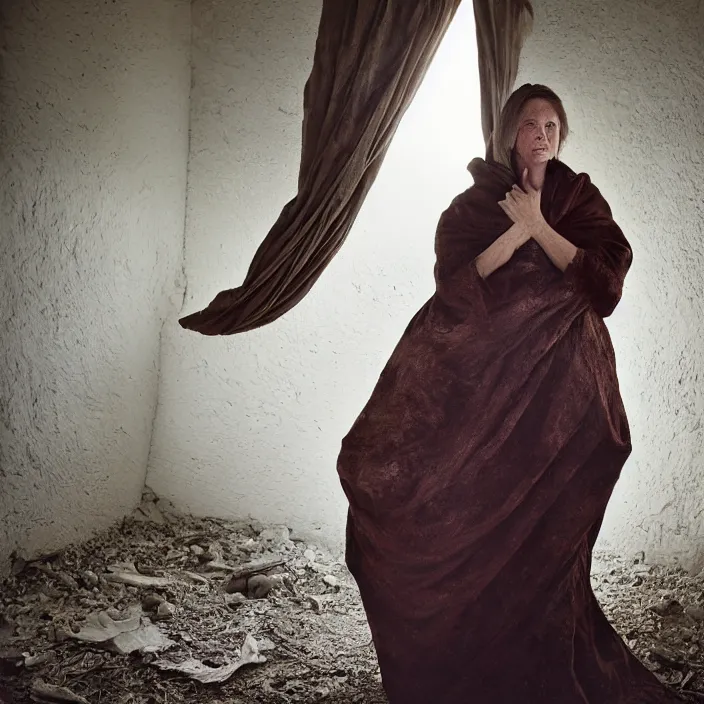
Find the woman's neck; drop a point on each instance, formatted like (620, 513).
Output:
(536, 173)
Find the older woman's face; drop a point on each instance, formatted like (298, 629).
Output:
(538, 138)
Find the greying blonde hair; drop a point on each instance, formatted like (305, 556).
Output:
(504, 138)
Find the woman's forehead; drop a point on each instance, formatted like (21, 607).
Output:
(539, 107)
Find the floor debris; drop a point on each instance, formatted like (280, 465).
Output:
(198, 670)
(43, 692)
(165, 608)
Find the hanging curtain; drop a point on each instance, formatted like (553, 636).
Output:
(370, 58)
(502, 27)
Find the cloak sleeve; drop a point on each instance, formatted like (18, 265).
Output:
(603, 256)
(459, 288)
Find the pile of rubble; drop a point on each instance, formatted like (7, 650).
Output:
(167, 608)
(659, 612)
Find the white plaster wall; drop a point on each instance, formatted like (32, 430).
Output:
(94, 145)
(632, 77)
(251, 424)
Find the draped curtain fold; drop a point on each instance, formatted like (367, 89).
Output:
(370, 58)
(502, 27)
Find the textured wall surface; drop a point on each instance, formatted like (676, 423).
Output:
(251, 424)
(94, 144)
(632, 77)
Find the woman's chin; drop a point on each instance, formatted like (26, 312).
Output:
(538, 158)
(534, 160)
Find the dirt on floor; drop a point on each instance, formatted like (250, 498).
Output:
(165, 609)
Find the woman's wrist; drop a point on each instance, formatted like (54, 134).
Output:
(520, 235)
(537, 228)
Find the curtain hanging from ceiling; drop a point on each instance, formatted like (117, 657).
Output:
(370, 58)
(502, 27)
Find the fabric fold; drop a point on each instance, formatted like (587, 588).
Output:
(370, 58)
(502, 27)
(479, 471)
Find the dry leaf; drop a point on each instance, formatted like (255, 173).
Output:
(125, 636)
(148, 638)
(196, 670)
(100, 627)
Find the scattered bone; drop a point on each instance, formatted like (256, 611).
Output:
(218, 566)
(235, 599)
(199, 578)
(90, 578)
(67, 580)
(214, 553)
(135, 579)
(257, 567)
(331, 581)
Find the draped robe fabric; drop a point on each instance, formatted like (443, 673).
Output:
(480, 469)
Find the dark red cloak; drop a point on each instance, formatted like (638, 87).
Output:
(480, 469)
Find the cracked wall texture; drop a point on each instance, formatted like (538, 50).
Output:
(94, 146)
(252, 423)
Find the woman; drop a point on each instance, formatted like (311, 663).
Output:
(479, 471)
